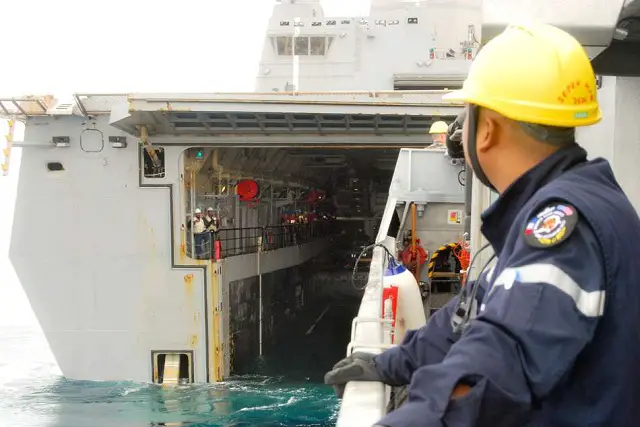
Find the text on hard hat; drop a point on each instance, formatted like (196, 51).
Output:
(585, 94)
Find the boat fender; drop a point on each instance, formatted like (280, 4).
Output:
(410, 311)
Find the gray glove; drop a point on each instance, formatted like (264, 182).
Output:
(455, 148)
(360, 366)
(456, 136)
(454, 132)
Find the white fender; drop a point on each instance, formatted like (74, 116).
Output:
(410, 310)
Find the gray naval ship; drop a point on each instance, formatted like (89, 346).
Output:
(179, 226)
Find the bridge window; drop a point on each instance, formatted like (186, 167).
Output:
(302, 46)
(152, 170)
(317, 45)
(284, 45)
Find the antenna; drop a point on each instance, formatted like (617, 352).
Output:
(296, 58)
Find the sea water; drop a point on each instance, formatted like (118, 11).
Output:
(285, 390)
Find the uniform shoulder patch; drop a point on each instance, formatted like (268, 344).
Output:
(552, 225)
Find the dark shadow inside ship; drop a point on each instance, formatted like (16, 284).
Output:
(307, 317)
(267, 199)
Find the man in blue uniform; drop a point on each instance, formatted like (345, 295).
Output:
(547, 336)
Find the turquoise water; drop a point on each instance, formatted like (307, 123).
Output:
(34, 394)
(255, 401)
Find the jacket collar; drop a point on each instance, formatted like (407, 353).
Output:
(498, 218)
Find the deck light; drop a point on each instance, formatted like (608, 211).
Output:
(61, 141)
(118, 141)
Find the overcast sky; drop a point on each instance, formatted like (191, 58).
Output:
(71, 46)
(68, 46)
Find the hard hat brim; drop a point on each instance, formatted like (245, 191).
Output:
(553, 118)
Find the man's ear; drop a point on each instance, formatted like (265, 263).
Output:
(488, 129)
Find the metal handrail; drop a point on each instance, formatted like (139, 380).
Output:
(246, 240)
(364, 403)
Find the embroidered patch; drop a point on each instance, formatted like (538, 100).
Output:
(551, 226)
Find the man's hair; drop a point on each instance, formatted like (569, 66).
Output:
(552, 135)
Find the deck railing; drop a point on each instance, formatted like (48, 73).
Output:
(364, 403)
(229, 242)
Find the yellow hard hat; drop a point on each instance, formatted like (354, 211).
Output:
(439, 127)
(536, 74)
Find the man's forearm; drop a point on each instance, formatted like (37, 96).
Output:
(455, 391)
(425, 346)
(396, 366)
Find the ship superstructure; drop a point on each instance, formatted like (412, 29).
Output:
(401, 45)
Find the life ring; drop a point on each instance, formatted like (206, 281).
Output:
(247, 189)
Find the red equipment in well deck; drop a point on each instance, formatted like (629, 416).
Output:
(392, 293)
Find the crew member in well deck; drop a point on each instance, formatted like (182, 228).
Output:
(199, 234)
(552, 341)
(208, 219)
(438, 132)
(213, 228)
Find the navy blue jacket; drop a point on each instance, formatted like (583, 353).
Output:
(556, 342)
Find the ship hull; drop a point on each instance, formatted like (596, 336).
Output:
(93, 251)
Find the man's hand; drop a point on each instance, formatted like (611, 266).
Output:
(454, 133)
(454, 137)
(359, 366)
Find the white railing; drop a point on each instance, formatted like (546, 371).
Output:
(364, 403)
